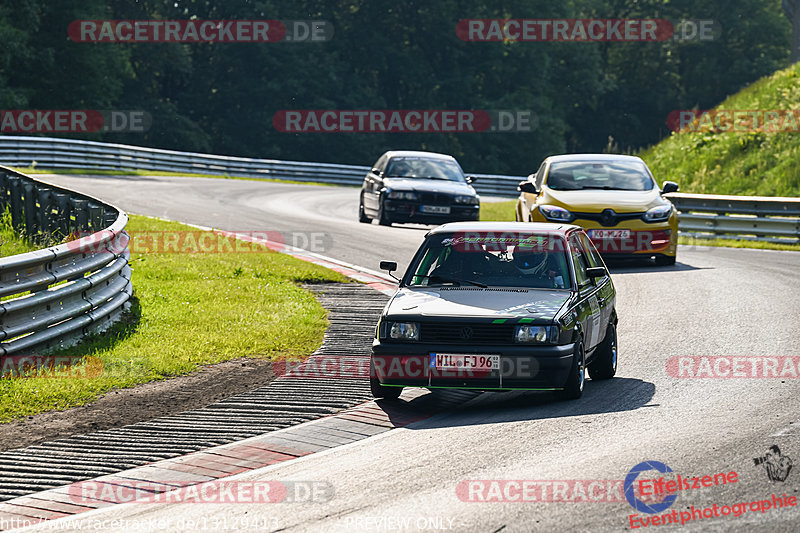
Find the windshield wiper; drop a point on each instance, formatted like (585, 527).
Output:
(451, 280)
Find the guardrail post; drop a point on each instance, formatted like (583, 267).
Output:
(45, 210)
(15, 201)
(29, 208)
(4, 192)
(62, 204)
(109, 216)
(95, 217)
(80, 215)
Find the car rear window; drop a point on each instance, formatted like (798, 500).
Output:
(610, 175)
(493, 259)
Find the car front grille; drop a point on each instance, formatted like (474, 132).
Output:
(469, 334)
(608, 217)
(435, 198)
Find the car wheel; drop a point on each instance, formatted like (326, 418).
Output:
(604, 366)
(383, 219)
(665, 260)
(361, 216)
(381, 391)
(573, 388)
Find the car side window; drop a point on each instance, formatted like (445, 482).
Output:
(381, 164)
(592, 255)
(576, 249)
(540, 176)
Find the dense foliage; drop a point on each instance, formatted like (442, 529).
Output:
(221, 98)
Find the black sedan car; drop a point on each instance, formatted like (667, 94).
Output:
(425, 187)
(496, 306)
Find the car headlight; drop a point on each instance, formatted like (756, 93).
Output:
(403, 195)
(466, 200)
(404, 331)
(555, 214)
(658, 213)
(536, 334)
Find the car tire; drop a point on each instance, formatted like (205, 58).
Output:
(573, 388)
(364, 219)
(381, 391)
(665, 260)
(383, 219)
(604, 365)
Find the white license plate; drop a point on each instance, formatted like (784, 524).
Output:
(436, 209)
(609, 233)
(460, 361)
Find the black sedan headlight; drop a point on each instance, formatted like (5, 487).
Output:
(402, 195)
(536, 334)
(465, 199)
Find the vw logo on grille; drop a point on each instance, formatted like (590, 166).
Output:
(465, 333)
(608, 217)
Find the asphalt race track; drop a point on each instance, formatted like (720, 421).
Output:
(713, 302)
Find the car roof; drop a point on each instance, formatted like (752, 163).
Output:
(505, 227)
(593, 157)
(417, 153)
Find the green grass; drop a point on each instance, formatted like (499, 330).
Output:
(504, 211)
(761, 163)
(189, 310)
(10, 242)
(92, 172)
(733, 243)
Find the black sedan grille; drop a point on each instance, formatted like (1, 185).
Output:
(470, 334)
(435, 198)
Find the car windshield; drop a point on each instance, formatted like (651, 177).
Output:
(611, 175)
(486, 259)
(420, 167)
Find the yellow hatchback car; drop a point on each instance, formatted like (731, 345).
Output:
(613, 197)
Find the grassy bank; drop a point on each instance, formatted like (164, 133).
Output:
(760, 162)
(189, 309)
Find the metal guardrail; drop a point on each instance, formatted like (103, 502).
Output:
(707, 216)
(752, 218)
(47, 152)
(51, 298)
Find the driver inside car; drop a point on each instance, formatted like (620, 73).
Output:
(540, 267)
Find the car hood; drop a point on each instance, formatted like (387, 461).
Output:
(423, 185)
(594, 201)
(475, 302)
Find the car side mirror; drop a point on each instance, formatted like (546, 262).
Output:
(390, 266)
(528, 187)
(670, 186)
(376, 171)
(596, 272)
(471, 179)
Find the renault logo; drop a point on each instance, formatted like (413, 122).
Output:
(465, 333)
(608, 217)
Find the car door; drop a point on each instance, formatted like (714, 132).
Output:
(606, 294)
(373, 184)
(588, 307)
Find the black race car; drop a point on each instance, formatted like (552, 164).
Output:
(498, 306)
